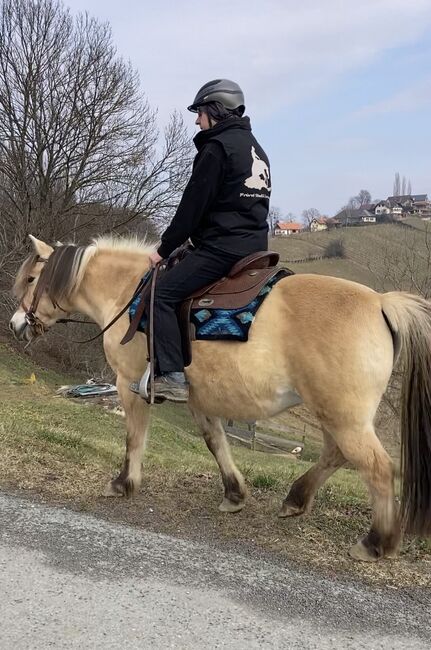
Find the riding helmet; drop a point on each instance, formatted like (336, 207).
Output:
(228, 93)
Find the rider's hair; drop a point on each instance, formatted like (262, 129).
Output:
(217, 112)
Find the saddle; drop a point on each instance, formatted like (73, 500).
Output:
(241, 285)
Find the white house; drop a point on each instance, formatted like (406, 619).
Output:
(318, 224)
(283, 229)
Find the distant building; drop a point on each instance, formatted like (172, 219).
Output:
(283, 229)
(382, 207)
(318, 224)
(411, 204)
(355, 217)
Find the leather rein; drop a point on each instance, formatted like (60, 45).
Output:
(36, 323)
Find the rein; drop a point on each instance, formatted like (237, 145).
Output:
(35, 322)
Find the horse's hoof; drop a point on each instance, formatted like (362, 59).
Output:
(392, 555)
(113, 489)
(361, 553)
(289, 510)
(230, 506)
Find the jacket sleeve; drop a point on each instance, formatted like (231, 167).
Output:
(200, 192)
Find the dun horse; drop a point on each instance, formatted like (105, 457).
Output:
(327, 342)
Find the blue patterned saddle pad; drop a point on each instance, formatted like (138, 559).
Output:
(222, 324)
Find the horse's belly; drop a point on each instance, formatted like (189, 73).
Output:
(253, 401)
(284, 398)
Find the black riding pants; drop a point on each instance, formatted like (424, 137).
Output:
(199, 268)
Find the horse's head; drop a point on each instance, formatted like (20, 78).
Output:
(36, 312)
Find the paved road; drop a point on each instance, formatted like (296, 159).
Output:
(69, 580)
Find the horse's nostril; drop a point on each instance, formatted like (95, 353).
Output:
(11, 325)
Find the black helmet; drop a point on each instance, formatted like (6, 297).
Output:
(228, 93)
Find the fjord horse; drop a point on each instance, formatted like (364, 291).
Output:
(323, 341)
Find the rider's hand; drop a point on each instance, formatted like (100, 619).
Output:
(155, 258)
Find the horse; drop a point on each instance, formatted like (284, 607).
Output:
(323, 341)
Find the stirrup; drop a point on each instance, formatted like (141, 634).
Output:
(144, 384)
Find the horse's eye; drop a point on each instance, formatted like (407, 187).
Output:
(30, 280)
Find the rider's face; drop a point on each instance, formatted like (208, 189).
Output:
(202, 120)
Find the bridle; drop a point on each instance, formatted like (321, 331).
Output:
(37, 324)
(30, 312)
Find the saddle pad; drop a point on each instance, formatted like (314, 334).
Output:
(222, 324)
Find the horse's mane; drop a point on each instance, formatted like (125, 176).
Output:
(66, 265)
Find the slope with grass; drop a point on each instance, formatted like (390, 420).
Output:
(383, 257)
(63, 451)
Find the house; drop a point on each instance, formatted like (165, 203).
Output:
(394, 208)
(355, 217)
(411, 204)
(333, 222)
(283, 229)
(318, 224)
(382, 207)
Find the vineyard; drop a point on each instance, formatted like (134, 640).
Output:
(385, 257)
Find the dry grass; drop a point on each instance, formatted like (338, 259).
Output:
(65, 451)
(381, 256)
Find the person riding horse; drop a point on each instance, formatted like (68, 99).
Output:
(223, 212)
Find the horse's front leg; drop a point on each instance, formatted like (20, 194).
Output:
(137, 414)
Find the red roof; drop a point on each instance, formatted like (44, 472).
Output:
(289, 225)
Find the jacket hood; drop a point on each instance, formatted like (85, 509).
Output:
(202, 137)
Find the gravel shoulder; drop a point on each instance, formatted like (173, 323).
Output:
(71, 580)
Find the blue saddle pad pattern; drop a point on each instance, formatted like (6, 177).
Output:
(222, 324)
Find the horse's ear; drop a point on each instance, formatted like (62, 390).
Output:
(42, 249)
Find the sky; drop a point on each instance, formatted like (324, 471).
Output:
(338, 91)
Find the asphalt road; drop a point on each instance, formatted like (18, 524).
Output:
(69, 580)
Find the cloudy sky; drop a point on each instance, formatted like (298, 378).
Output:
(339, 92)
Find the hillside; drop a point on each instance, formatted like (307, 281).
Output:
(384, 257)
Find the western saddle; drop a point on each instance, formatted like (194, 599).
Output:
(240, 286)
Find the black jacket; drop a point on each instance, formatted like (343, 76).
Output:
(225, 203)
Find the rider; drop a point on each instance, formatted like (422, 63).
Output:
(223, 211)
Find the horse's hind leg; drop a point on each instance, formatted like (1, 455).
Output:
(137, 420)
(233, 481)
(364, 450)
(301, 494)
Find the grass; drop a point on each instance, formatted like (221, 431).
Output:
(381, 256)
(64, 452)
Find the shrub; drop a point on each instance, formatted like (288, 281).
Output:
(335, 248)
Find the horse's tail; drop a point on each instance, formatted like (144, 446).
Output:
(409, 318)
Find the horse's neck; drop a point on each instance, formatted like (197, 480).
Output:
(108, 283)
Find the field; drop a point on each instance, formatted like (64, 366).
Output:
(64, 452)
(384, 257)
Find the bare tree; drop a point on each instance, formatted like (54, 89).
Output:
(274, 216)
(409, 188)
(397, 185)
(308, 216)
(403, 186)
(79, 144)
(405, 263)
(363, 198)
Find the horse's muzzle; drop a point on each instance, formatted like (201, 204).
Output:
(20, 329)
